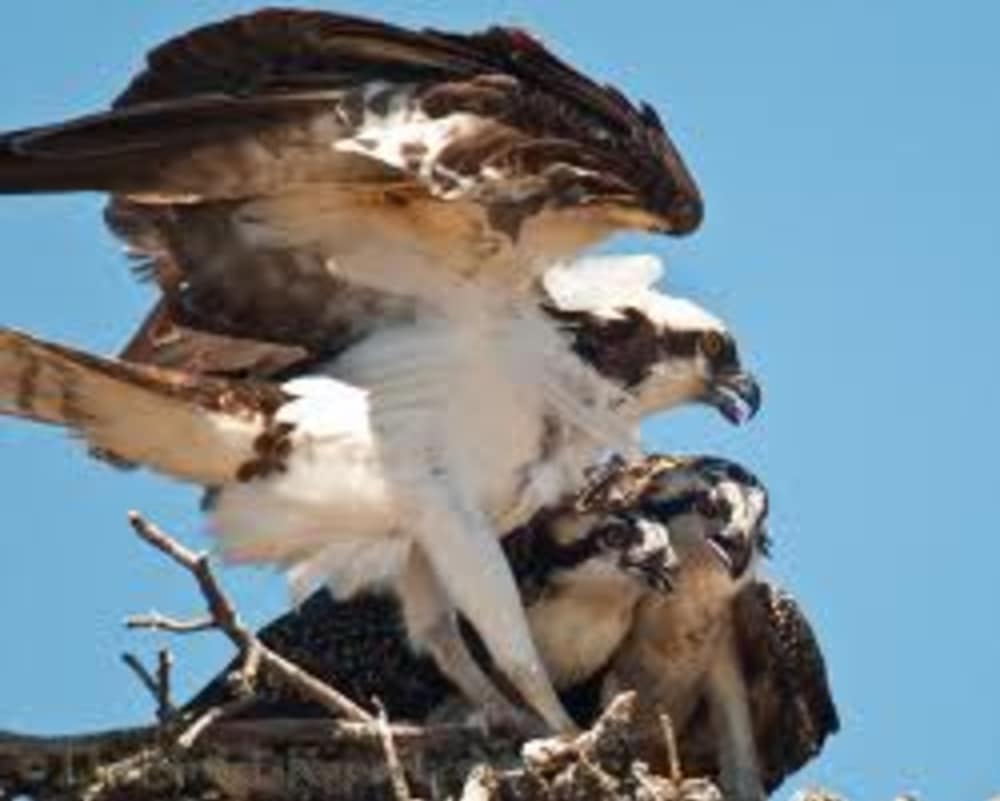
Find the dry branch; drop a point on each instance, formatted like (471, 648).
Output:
(158, 685)
(307, 759)
(224, 617)
(397, 776)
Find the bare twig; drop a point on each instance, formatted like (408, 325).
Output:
(673, 754)
(397, 776)
(165, 704)
(135, 665)
(254, 653)
(158, 685)
(157, 622)
(190, 735)
(221, 610)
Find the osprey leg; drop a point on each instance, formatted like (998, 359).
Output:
(468, 559)
(431, 626)
(739, 773)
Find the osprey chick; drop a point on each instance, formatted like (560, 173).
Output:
(727, 657)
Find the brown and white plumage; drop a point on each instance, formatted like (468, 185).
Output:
(266, 164)
(791, 704)
(285, 501)
(194, 428)
(729, 657)
(575, 586)
(307, 129)
(274, 73)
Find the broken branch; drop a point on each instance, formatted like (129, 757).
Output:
(224, 617)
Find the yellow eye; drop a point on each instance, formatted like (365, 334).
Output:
(712, 344)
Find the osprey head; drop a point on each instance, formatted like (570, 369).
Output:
(629, 546)
(696, 359)
(662, 350)
(715, 510)
(599, 548)
(666, 354)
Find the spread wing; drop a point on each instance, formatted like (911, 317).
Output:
(255, 160)
(195, 428)
(282, 98)
(791, 704)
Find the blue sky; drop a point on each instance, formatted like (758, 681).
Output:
(848, 158)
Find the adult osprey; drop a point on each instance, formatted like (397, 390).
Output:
(293, 155)
(294, 461)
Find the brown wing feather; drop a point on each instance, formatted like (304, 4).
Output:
(288, 51)
(266, 307)
(163, 342)
(792, 707)
(268, 76)
(192, 147)
(190, 427)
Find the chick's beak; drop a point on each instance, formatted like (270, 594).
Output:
(735, 548)
(735, 394)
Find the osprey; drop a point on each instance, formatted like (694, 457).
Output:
(297, 475)
(440, 173)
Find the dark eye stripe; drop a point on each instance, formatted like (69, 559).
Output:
(665, 510)
(682, 344)
(727, 356)
(723, 468)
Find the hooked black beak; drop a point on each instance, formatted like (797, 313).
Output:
(735, 394)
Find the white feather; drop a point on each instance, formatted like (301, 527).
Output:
(350, 566)
(606, 285)
(602, 284)
(333, 487)
(385, 137)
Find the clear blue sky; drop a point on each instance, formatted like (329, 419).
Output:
(848, 155)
